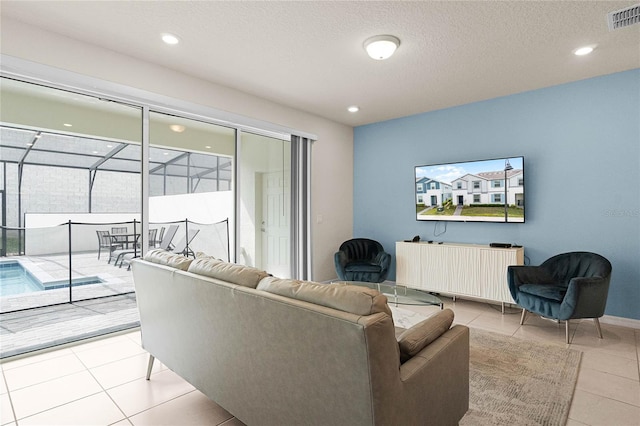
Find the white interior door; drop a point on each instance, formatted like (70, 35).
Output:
(275, 223)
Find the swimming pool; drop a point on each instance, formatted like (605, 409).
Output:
(16, 279)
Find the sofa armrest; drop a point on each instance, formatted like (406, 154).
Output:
(340, 261)
(383, 259)
(437, 376)
(341, 258)
(586, 297)
(424, 333)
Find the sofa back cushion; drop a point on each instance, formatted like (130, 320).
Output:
(422, 334)
(347, 298)
(208, 266)
(163, 257)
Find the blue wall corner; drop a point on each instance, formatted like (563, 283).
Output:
(581, 143)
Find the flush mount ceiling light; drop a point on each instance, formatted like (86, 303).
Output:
(178, 128)
(353, 108)
(381, 47)
(170, 38)
(584, 50)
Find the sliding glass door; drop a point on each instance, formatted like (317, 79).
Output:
(140, 169)
(265, 204)
(191, 185)
(70, 171)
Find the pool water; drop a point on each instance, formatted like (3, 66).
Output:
(14, 279)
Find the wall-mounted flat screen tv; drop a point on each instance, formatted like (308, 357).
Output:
(471, 191)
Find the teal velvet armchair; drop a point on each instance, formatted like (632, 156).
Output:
(362, 259)
(564, 287)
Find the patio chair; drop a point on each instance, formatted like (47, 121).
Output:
(115, 230)
(182, 247)
(165, 243)
(126, 255)
(136, 251)
(106, 240)
(159, 237)
(152, 237)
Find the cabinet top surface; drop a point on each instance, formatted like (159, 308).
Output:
(437, 243)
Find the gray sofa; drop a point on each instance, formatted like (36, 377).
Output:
(285, 352)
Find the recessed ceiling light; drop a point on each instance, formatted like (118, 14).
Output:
(109, 146)
(170, 38)
(67, 125)
(353, 108)
(583, 50)
(94, 152)
(208, 146)
(165, 153)
(381, 47)
(178, 128)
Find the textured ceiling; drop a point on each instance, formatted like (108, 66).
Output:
(308, 55)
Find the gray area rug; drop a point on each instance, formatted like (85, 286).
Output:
(518, 382)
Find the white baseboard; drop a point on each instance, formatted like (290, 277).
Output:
(624, 322)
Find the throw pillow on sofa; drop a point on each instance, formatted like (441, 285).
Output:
(209, 266)
(163, 257)
(347, 298)
(422, 334)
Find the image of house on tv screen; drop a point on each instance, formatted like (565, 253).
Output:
(472, 191)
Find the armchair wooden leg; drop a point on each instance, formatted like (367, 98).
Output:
(524, 315)
(566, 328)
(598, 327)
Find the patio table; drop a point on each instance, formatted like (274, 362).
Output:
(126, 239)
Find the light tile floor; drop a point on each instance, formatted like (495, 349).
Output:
(102, 381)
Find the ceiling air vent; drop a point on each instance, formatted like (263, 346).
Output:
(624, 17)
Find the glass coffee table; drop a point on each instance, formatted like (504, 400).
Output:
(399, 294)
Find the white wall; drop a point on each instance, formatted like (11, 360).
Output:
(332, 167)
(46, 233)
(206, 207)
(203, 209)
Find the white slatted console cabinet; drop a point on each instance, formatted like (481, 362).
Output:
(476, 271)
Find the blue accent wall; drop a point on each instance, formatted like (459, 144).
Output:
(581, 148)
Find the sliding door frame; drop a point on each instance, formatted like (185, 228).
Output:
(44, 75)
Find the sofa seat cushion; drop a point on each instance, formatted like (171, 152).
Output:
(343, 297)
(548, 291)
(208, 266)
(362, 267)
(422, 334)
(163, 257)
